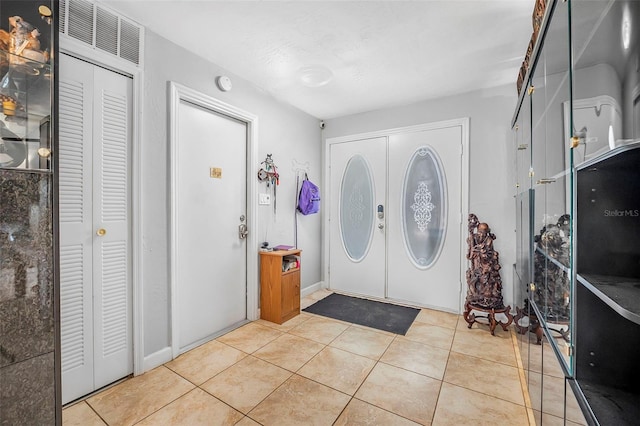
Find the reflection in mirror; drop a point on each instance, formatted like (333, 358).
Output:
(606, 76)
(551, 160)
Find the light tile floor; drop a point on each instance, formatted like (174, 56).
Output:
(317, 371)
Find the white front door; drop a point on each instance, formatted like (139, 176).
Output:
(424, 240)
(406, 192)
(210, 204)
(95, 249)
(357, 234)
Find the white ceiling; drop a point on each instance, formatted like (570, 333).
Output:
(381, 53)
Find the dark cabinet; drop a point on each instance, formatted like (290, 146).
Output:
(29, 332)
(608, 285)
(576, 136)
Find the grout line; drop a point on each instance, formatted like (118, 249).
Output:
(523, 380)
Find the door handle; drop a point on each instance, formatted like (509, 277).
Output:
(381, 226)
(242, 231)
(101, 232)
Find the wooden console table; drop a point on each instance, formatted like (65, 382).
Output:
(279, 290)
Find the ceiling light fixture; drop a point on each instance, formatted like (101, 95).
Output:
(315, 75)
(626, 28)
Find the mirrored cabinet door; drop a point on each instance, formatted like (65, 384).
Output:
(523, 320)
(538, 160)
(552, 183)
(605, 76)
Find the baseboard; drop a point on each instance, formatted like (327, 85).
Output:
(312, 288)
(156, 359)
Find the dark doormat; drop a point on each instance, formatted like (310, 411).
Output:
(383, 316)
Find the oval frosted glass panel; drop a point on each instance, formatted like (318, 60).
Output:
(424, 207)
(356, 208)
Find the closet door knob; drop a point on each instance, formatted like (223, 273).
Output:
(101, 232)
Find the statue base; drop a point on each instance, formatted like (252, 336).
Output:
(535, 327)
(470, 317)
(532, 327)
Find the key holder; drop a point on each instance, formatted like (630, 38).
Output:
(269, 174)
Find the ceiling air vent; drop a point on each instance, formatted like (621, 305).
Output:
(106, 31)
(101, 28)
(130, 41)
(80, 25)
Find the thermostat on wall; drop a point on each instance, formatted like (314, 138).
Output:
(224, 83)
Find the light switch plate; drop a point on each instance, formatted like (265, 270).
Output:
(265, 199)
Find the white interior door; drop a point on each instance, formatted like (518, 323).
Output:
(95, 267)
(357, 234)
(210, 255)
(424, 219)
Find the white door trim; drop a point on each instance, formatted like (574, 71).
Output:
(80, 51)
(464, 195)
(177, 93)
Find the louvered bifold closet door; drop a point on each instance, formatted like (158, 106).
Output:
(95, 271)
(111, 252)
(76, 227)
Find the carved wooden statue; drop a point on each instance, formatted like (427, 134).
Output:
(483, 276)
(484, 285)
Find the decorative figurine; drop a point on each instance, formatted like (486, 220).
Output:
(24, 40)
(484, 285)
(551, 289)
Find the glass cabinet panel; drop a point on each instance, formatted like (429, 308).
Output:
(606, 86)
(552, 183)
(524, 321)
(25, 85)
(523, 146)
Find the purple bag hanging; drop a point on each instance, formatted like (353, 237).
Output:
(309, 198)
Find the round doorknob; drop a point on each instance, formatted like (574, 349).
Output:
(380, 225)
(101, 232)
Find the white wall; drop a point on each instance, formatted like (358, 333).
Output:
(491, 146)
(284, 131)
